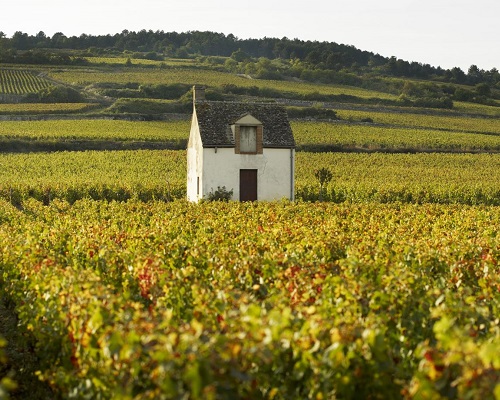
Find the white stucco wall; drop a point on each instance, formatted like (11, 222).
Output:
(194, 162)
(274, 171)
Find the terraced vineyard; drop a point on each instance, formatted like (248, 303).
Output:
(478, 109)
(95, 129)
(45, 108)
(192, 76)
(18, 82)
(340, 136)
(449, 123)
(92, 134)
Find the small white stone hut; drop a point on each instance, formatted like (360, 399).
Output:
(245, 147)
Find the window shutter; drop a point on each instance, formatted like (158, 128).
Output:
(237, 139)
(260, 139)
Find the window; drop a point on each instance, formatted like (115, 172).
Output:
(248, 135)
(248, 139)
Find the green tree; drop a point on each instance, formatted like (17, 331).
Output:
(461, 94)
(474, 74)
(324, 176)
(250, 68)
(457, 75)
(56, 94)
(59, 40)
(240, 56)
(483, 89)
(4, 45)
(231, 65)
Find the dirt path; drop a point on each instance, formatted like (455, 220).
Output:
(21, 360)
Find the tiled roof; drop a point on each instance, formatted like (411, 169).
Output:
(215, 119)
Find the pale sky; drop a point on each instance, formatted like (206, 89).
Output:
(446, 33)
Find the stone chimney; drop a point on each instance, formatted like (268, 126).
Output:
(198, 93)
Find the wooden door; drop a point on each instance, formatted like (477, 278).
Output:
(248, 184)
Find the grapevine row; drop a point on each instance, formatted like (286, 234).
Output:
(13, 81)
(148, 175)
(44, 108)
(366, 137)
(96, 129)
(449, 123)
(308, 135)
(267, 300)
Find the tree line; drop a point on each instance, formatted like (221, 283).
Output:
(319, 56)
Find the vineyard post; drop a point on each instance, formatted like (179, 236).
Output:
(169, 197)
(46, 197)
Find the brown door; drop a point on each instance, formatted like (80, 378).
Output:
(248, 184)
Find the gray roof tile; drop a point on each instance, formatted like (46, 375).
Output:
(215, 119)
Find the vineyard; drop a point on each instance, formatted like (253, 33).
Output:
(95, 129)
(269, 300)
(161, 175)
(45, 108)
(19, 82)
(448, 123)
(192, 76)
(477, 109)
(335, 136)
(313, 136)
(118, 288)
(123, 175)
